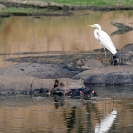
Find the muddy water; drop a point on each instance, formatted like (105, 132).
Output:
(25, 114)
(65, 33)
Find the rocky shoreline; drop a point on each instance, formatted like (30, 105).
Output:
(26, 75)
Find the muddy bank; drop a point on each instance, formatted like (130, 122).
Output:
(51, 8)
(56, 6)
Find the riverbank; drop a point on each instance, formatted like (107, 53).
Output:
(36, 73)
(70, 3)
(43, 8)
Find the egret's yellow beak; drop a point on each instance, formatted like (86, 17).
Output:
(90, 25)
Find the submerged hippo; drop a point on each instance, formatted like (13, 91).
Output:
(58, 91)
(74, 93)
(82, 92)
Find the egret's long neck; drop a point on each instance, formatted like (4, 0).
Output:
(99, 28)
(96, 31)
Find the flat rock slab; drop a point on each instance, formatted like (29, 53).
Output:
(86, 63)
(47, 71)
(110, 75)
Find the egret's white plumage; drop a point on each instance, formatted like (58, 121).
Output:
(104, 38)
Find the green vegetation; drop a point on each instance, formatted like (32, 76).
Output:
(84, 2)
(95, 2)
(35, 9)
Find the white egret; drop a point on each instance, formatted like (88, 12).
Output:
(104, 39)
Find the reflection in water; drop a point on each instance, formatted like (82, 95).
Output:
(122, 28)
(71, 119)
(120, 31)
(28, 34)
(59, 101)
(105, 124)
(38, 114)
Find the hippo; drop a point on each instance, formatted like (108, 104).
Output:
(58, 91)
(82, 92)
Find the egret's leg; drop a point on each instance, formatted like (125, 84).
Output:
(105, 54)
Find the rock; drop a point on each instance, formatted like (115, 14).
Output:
(84, 64)
(126, 55)
(37, 70)
(110, 75)
(126, 48)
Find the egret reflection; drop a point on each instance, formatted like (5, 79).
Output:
(105, 124)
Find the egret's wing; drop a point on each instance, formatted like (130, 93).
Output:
(106, 41)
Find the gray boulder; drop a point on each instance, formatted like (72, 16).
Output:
(86, 63)
(126, 55)
(37, 70)
(111, 75)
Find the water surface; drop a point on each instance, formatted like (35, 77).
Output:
(24, 36)
(25, 114)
